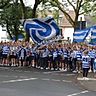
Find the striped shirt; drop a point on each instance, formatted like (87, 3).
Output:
(5, 50)
(79, 55)
(65, 53)
(92, 54)
(85, 61)
(55, 54)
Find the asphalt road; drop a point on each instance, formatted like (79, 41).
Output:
(36, 82)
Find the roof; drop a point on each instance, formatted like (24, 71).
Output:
(63, 21)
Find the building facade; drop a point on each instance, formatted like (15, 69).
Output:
(3, 34)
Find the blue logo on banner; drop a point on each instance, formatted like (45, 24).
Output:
(41, 29)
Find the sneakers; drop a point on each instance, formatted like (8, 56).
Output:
(41, 68)
(86, 78)
(83, 78)
(94, 71)
(47, 68)
(90, 71)
(52, 68)
(74, 71)
(62, 69)
(79, 72)
(65, 70)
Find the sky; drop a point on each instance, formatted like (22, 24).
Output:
(29, 2)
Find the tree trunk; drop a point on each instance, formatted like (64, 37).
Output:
(24, 16)
(8, 31)
(16, 32)
(37, 2)
(27, 37)
(34, 10)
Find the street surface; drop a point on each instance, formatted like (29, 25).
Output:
(36, 82)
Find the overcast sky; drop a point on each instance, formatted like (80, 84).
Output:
(29, 2)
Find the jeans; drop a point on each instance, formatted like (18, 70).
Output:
(85, 72)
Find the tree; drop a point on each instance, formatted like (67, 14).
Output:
(34, 9)
(24, 15)
(37, 2)
(13, 11)
(10, 17)
(77, 6)
(4, 15)
(4, 3)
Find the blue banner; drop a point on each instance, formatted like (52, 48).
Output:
(93, 35)
(41, 29)
(80, 35)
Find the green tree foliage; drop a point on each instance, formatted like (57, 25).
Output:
(10, 17)
(90, 10)
(12, 11)
(4, 3)
(89, 7)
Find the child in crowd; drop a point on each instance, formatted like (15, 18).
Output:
(95, 65)
(85, 64)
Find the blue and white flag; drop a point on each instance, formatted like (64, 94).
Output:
(93, 34)
(41, 29)
(80, 35)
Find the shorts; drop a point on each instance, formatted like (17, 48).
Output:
(11, 56)
(4, 56)
(22, 58)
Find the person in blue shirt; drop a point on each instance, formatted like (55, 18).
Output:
(59, 57)
(22, 56)
(85, 64)
(55, 54)
(95, 65)
(65, 59)
(1, 57)
(92, 55)
(69, 65)
(45, 58)
(74, 59)
(50, 58)
(5, 53)
(78, 61)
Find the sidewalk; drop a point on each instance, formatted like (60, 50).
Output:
(88, 84)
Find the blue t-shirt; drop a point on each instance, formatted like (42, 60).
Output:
(85, 61)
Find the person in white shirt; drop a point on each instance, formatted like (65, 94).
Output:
(22, 56)
(5, 53)
(85, 64)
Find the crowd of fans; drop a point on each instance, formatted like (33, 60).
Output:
(55, 56)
